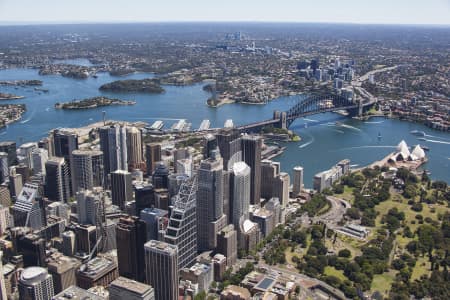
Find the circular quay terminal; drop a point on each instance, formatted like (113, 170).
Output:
(224, 150)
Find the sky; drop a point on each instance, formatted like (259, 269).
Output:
(330, 11)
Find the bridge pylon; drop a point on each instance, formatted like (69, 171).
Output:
(281, 116)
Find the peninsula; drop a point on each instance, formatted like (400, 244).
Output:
(92, 103)
(21, 82)
(148, 85)
(10, 113)
(4, 96)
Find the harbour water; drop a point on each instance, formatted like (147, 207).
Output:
(323, 142)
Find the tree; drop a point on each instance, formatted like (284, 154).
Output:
(353, 213)
(344, 253)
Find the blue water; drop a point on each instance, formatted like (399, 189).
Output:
(323, 143)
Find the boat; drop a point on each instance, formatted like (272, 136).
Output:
(417, 132)
(379, 135)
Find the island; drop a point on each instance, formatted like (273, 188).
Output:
(10, 113)
(4, 96)
(148, 85)
(92, 103)
(21, 82)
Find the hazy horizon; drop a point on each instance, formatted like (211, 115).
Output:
(382, 12)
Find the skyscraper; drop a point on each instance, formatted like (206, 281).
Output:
(121, 188)
(28, 210)
(210, 145)
(160, 177)
(134, 149)
(9, 148)
(57, 180)
(251, 155)
(161, 269)
(210, 202)
(25, 154)
(156, 220)
(39, 157)
(240, 195)
(15, 182)
(131, 235)
(182, 228)
(87, 169)
(298, 180)
(89, 206)
(4, 170)
(113, 143)
(35, 284)
(152, 156)
(64, 143)
(230, 147)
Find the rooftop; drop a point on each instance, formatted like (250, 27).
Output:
(76, 293)
(131, 285)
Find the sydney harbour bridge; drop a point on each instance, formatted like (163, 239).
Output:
(313, 104)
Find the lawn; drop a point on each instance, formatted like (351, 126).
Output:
(422, 267)
(347, 194)
(331, 271)
(383, 282)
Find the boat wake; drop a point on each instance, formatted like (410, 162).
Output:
(310, 120)
(307, 143)
(436, 137)
(366, 147)
(47, 109)
(436, 141)
(25, 121)
(350, 127)
(374, 122)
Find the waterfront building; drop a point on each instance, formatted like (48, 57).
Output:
(135, 149)
(57, 180)
(35, 284)
(121, 188)
(251, 155)
(152, 156)
(131, 235)
(161, 269)
(125, 288)
(210, 202)
(298, 180)
(9, 148)
(326, 179)
(87, 169)
(113, 144)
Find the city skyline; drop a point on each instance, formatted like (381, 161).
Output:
(434, 12)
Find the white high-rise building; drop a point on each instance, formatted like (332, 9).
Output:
(184, 166)
(88, 204)
(39, 157)
(240, 195)
(298, 180)
(35, 284)
(24, 154)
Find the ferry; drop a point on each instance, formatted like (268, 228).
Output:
(379, 135)
(418, 133)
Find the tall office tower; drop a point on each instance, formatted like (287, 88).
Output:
(121, 188)
(86, 238)
(69, 245)
(226, 195)
(5, 197)
(113, 143)
(134, 149)
(99, 271)
(160, 177)
(240, 194)
(269, 171)
(32, 247)
(39, 158)
(23, 170)
(184, 166)
(281, 188)
(227, 244)
(210, 145)
(230, 147)
(3, 295)
(10, 148)
(144, 196)
(4, 169)
(152, 156)
(4, 219)
(210, 203)
(131, 235)
(15, 182)
(35, 284)
(175, 181)
(298, 180)
(63, 270)
(89, 206)
(24, 154)
(87, 169)
(182, 228)
(179, 154)
(124, 288)
(251, 155)
(28, 209)
(156, 219)
(161, 269)
(64, 143)
(57, 180)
